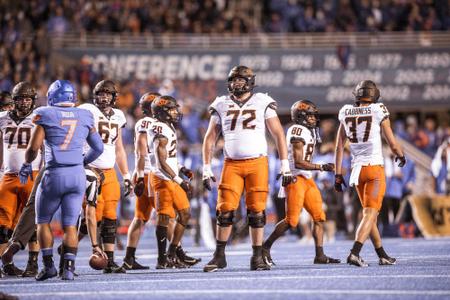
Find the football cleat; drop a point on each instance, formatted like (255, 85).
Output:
(46, 273)
(8, 255)
(113, 268)
(257, 263)
(164, 263)
(215, 264)
(326, 260)
(356, 261)
(31, 270)
(186, 259)
(132, 264)
(176, 261)
(386, 261)
(267, 257)
(12, 270)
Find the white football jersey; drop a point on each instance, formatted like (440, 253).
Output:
(308, 137)
(142, 126)
(162, 129)
(108, 128)
(243, 124)
(16, 137)
(362, 126)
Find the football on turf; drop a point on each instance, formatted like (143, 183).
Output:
(98, 262)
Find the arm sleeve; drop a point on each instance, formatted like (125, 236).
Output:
(96, 147)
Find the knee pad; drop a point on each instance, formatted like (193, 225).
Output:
(108, 231)
(225, 219)
(183, 217)
(83, 226)
(256, 220)
(163, 220)
(33, 238)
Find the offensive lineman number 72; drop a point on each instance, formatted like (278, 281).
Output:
(245, 123)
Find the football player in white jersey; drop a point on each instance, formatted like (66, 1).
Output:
(243, 117)
(109, 121)
(145, 201)
(302, 138)
(171, 191)
(362, 124)
(15, 133)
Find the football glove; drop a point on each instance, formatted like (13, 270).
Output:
(338, 182)
(286, 174)
(207, 177)
(25, 171)
(139, 187)
(329, 167)
(128, 185)
(187, 172)
(401, 161)
(185, 185)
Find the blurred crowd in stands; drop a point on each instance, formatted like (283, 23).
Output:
(27, 27)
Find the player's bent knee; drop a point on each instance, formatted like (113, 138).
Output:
(163, 220)
(108, 231)
(292, 222)
(256, 219)
(183, 217)
(225, 218)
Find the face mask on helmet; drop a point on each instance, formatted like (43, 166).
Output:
(105, 94)
(146, 103)
(366, 91)
(166, 109)
(23, 95)
(305, 113)
(241, 80)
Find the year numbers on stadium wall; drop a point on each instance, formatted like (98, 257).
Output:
(245, 123)
(105, 129)
(23, 136)
(353, 122)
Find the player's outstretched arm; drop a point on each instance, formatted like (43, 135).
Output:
(96, 146)
(392, 142)
(209, 142)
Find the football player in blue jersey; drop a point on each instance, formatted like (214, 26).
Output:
(63, 129)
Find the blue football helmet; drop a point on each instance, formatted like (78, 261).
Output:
(61, 93)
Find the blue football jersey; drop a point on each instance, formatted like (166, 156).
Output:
(66, 130)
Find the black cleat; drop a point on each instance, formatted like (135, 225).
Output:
(267, 257)
(323, 260)
(132, 264)
(215, 264)
(8, 254)
(186, 259)
(176, 261)
(47, 273)
(11, 270)
(31, 270)
(387, 261)
(164, 263)
(356, 261)
(257, 263)
(113, 268)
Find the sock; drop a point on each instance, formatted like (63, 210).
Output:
(110, 255)
(381, 253)
(47, 257)
(131, 251)
(356, 248)
(172, 249)
(220, 248)
(33, 256)
(161, 237)
(257, 250)
(319, 252)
